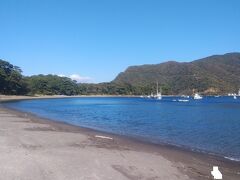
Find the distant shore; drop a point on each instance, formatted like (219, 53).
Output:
(53, 149)
(5, 98)
(13, 97)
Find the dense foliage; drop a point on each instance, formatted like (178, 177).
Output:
(212, 75)
(51, 85)
(11, 80)
(13, 83)
(217, 74)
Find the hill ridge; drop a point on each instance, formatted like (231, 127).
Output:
(214, 74)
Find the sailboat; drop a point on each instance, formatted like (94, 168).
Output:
(197, 96)
(150, 96)
(159, 94)
(235, 95)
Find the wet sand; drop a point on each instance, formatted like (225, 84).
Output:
(37, 148)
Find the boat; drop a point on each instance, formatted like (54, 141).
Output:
(183, 100)
(235, 95)
(197, 96)
(184, 96)
(151, 96)
(159, 94)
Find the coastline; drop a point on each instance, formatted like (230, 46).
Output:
(186, 164)
(6, 98)
(132, 139)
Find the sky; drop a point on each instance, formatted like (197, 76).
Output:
(94, 40)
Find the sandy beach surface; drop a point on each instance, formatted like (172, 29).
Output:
(37, 148)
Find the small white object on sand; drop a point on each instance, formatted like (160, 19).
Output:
(103, 137)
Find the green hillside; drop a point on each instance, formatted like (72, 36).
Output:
(219, 74)
(211, 75)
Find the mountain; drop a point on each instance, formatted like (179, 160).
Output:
(216, 74)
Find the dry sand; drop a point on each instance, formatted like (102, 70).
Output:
(36, 148)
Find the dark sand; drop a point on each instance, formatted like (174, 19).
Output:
(37, 148)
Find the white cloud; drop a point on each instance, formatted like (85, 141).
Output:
(78, 78)
(61, 75)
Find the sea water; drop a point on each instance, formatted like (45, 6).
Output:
(209, 125)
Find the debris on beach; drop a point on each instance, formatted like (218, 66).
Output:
(103, 137)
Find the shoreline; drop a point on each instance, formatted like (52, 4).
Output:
(125, 137)
(6, 98)
(196, 165)
(143, 140)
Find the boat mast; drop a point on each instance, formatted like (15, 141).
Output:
(157, 87)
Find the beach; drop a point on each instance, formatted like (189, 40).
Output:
(36, 148)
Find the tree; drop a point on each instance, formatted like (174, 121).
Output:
(51, 85)
(11, 79)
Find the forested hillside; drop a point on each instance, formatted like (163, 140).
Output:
(11, 80)
(212, 75)
(51, 85)
(219, 74)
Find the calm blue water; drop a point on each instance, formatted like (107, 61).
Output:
(211, 124)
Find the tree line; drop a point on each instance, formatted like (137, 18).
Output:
(12, 82)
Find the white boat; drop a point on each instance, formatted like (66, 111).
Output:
(159, 94)
(197, 96)
(183, 100)
(184, 96)
(235, 95)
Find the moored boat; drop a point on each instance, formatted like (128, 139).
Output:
(159, 94)
(197, 96)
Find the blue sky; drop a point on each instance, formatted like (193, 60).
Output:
(97, 39)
